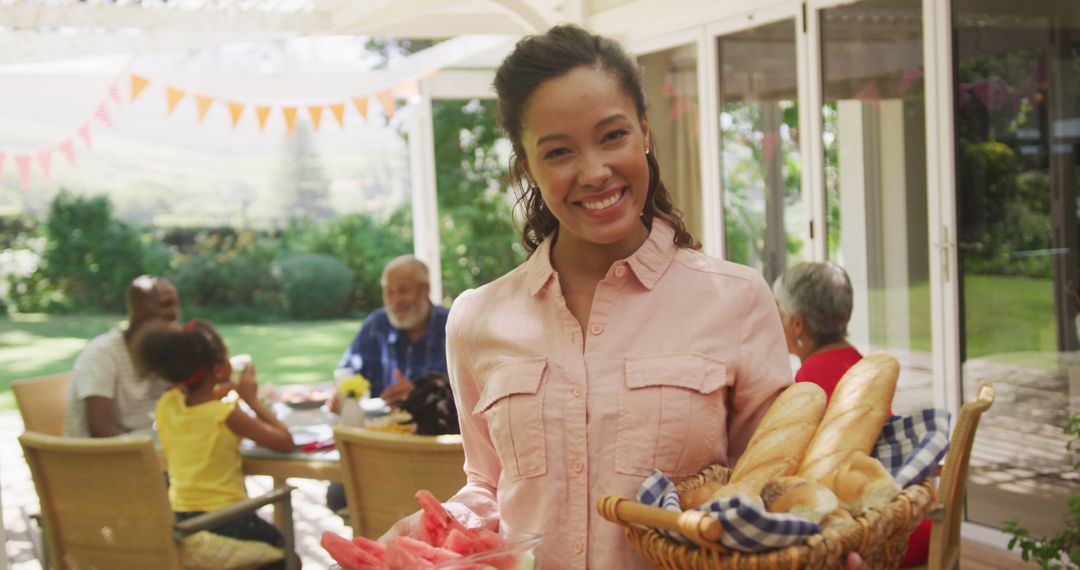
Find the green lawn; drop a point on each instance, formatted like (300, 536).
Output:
(285, 353)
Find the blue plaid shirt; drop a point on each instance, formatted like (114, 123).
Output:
(379, 348)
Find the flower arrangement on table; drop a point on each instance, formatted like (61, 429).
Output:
(354, 387)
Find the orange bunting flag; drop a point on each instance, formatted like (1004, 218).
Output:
(235, 110)
(428, 74)
(361, 106)
(387, 100)
(262, 113)
(202, 103)
(315, 112)
(338, 109)
(290, 118)
(138, 83)
(174, 95)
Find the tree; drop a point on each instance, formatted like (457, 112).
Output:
(302, 187)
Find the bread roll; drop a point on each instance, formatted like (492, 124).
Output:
(862, 482)
(857, 412)
(799, 497)
(776, 449)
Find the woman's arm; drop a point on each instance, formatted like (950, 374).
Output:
(264, 429)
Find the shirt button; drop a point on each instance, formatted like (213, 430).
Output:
(620, 271)
(597, 329)
(579, 547)
(577, 465)
(576, 392)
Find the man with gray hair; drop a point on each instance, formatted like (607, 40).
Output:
(403, 340)
(108, 394)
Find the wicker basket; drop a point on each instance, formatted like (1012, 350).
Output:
(880, 535)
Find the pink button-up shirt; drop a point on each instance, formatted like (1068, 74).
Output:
(681, 356)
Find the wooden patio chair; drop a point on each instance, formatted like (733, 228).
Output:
(382, 471)
(952, 487)
(42, 402)
(104, 504)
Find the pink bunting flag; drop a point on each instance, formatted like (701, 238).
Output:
(44, 158)
(22, 162)
(3, 159)
(68, 149)
(84, 134)
(114, 93)
(102, 115)
(983, 91)
(909, 76)
(869, 92)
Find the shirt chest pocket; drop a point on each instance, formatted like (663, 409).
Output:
(671, 414)
(512, 404)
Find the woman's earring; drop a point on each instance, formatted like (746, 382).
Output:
(647, 151)
(799, 342)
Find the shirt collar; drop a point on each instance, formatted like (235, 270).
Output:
(648, 263)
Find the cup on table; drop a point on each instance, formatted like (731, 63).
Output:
(239, 363)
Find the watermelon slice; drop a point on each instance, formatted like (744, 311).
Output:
(347, 554)
(400, 556)
(373, 547)
(425, 550)
(435, 522)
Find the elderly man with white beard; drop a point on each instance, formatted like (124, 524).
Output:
(403, 340)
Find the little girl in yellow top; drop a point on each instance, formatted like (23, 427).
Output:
(200, 434)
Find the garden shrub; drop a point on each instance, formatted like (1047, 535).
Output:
(363, 244)
(228, 272)
(90, 257)
(315, 286)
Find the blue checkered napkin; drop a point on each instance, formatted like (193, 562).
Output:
(911, 446)
(747, 527)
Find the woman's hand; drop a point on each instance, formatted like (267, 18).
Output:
(408, 526)
(855, 562)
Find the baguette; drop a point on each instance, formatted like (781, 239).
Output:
(862, 482)
(853, 421)
(798, 497)
(776, 449)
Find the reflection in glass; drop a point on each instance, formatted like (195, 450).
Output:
(1017, 97)
(875, 174)
(764, 219)
(671, 87)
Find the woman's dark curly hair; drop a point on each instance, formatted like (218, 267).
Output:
(539, 58)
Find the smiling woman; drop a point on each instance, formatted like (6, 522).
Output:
(583, 370)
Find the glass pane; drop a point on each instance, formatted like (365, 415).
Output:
(1017, 97)
(764, 219)
(875, 173)
(671, 85)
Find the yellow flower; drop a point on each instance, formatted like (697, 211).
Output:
(354, 387)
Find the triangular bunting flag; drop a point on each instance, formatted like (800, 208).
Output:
(3, 159)
(102, 114)
(338, 109)
(84, 134)
(114, 94)
(44, 158)
(428, 74)
(138, 83)
(68, 148)
(202, 103)
(262, 113)
(174, 95)
(361, 106)
(409, 89)
(315, 112)
(290, 118)
(235, 111)
(869, 92)
(387, 100)
(22, 162)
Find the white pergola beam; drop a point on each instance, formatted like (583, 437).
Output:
(35, 16)
(33, 47)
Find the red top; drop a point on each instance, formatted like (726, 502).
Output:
(826, 368)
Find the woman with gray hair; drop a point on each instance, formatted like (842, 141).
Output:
(815, 301)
